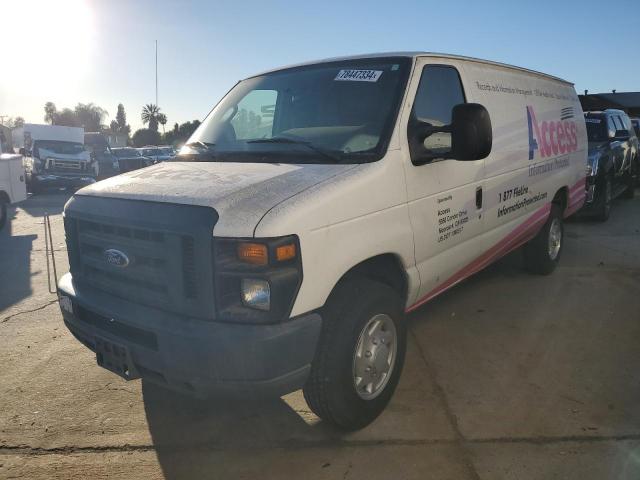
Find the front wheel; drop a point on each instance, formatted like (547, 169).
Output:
(360, 354)
(542, 253)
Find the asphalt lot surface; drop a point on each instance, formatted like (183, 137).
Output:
(508, 376)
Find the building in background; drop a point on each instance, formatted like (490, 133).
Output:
(627, 101)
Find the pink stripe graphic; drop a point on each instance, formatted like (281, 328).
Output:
(521, 234)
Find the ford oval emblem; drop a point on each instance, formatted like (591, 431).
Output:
(116, 258)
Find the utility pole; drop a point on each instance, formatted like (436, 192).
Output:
(156, 73)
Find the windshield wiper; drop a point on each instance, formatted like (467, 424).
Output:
(198, 146)
(198, 143)
(327, 154)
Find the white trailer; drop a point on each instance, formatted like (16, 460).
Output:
(54, 156)
(12, 183)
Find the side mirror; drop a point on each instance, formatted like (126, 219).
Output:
(470, 131)
(621, 135)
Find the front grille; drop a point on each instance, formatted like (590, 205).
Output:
(163, 252)
(65, 165)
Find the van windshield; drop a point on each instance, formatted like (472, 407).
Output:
(330, 112)
(59, 147)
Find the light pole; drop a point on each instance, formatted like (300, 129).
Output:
(156, 73)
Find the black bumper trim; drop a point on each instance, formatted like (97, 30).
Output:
(195, 356)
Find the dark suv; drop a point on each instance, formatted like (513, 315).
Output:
(612, 167)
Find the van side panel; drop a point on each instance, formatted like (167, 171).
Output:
(539, 147)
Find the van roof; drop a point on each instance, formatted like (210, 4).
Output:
(415, 55)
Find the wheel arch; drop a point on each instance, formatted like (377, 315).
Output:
(4, 197)
(385, 268)
(561, 198)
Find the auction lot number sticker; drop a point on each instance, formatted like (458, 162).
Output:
(359, 75)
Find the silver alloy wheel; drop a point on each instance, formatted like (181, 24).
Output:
(555, 238)
(374, 356)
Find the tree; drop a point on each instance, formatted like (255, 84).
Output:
(50, 112)
(149, 116)
(67, 118)
(121, 118)
(145, 136)
(18, 122)
(180, 133)
(114, 127)
(90, 116)
(162, 120)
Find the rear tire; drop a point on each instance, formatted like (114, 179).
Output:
(363, 336)
(630, 181)
(3, 213)
(542, 253)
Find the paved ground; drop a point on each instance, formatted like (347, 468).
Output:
(508, 376)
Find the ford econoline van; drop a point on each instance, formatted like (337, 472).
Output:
(314, 207)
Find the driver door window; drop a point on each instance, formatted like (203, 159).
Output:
(254, 118)
(439, 91)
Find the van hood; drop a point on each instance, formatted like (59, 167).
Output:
(241, 193)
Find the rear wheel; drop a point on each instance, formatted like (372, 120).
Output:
(630, 181)
(360, 354)
(542, 253)
(3, 213)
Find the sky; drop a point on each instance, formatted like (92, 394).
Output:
(102, 51)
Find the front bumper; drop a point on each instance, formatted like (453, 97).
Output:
(592, 198)
(191, 355)
(52, 180)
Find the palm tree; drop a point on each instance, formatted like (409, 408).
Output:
(50, 112)
(149, 115)
(162, 120)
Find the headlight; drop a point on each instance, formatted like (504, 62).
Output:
(256, 293)
(256, 280)
(592, 165)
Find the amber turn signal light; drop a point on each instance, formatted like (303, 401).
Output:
(253, 253)
(286, 252)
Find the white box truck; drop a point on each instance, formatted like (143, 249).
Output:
(12, 183)
(54, 156)
(314, 206)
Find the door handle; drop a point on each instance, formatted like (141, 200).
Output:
(479, 198)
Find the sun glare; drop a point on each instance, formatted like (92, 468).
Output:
(51, 42)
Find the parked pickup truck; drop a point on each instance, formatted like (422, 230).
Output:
(12, 183)
(613, 161)
(313, 207)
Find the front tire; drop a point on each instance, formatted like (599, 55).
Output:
(604, 205)
(360, 354)
(542, 253)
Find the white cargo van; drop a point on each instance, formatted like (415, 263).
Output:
(314, 206)
(12, 186)
(54, 156)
